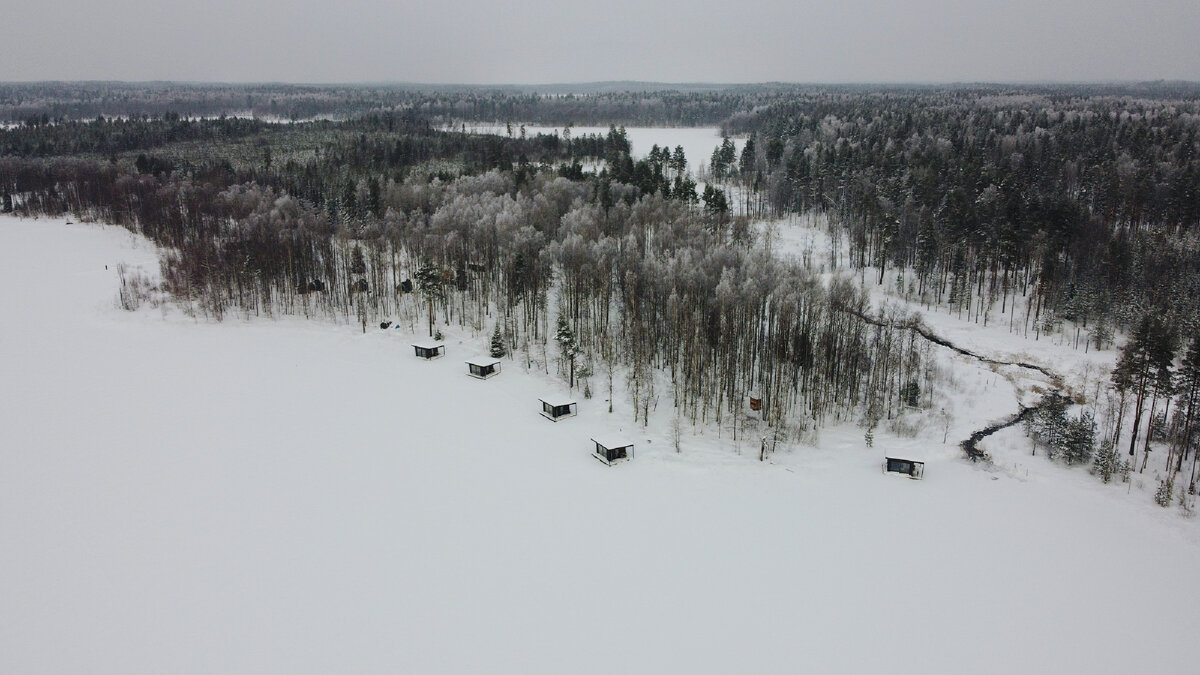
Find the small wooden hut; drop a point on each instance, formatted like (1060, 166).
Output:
(755, 401)
(555, 409)
(484, 368)
(611, 451)
(910, 467)
(430, 351)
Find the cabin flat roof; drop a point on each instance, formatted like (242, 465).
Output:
(611, 442)
(429, 345)
(483, 361)
(558, 400)
(917, 460)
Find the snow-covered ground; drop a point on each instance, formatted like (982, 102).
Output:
(292, 497)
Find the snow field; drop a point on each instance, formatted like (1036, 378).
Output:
(291, 496)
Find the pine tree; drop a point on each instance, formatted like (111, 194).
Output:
(568, 346)
(1080, 438)
(1104, 464)
(679, 160)
(1188, 386)
(497, 349)
(1048, 427)
(1166, 488)
(747, 159)
(1102, 334)
(429, 281)
(1147, 354)
(358, 264)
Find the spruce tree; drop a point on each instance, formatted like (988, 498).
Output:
(567, 345)
(1104, 464)
(1080, 438)
(498, 349)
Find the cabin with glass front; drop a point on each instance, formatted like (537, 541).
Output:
(610, 451)
(430, 351)
(909, 467)
(484, 368)
(555, 409)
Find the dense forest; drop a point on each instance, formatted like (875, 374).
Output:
(1075, 205)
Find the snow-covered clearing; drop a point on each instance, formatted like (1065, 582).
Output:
(978, 394)
(806, 238)
(289, 496)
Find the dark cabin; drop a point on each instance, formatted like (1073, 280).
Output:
(755, 401)
(555, 409)
(909, 467)
(430, 351)
(483, 369)
(611, 451)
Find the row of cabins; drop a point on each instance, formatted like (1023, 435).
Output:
(612, 450)
(479, 368)
(606, 450)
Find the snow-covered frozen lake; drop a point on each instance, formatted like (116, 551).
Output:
(298, 497)
(698, 142)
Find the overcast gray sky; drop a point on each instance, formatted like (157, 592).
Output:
(543, 41)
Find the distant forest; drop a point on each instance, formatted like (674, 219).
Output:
(1078, 204)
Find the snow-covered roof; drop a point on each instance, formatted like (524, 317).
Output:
(612, 442)
(905, 456)
(428, 345)
(482, 361)
(557, 400)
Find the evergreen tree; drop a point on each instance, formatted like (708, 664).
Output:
(429, 281)
(1102, 334)
(1048, 427)
(358, 265)
(1105, 463)
(715, 203)
(568, 346)
(497, 349)
(679, 160)
(1166, 488)
(1080, 438)
(1188, 387)
(1143, 358)
(747, 159)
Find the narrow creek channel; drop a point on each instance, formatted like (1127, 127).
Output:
(971, 445)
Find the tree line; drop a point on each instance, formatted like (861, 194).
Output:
(663, 298)
(1070, 204)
